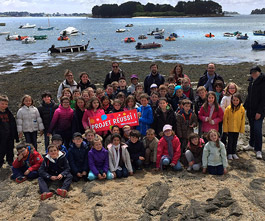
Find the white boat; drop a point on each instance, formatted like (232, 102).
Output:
(27, 26)
(5, 33)
(157, 31)
(121, 30)
(28, 40)
(69, 31)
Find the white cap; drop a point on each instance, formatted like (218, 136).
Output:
(167, 127)
(153, 86)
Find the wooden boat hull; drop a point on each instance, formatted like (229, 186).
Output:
(71, 49)
(147, 46)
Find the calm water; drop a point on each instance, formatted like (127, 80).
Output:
(190, 48)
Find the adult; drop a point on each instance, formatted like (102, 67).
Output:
(209, 77)
(177, 73)
(153, 78)
(113, 75)
(84, 82)
(69, 82)
(255, 107)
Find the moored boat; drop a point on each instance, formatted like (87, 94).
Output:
(173, 35)
(237, 32)
(120, 30)
(27, 26)
(15, 37)
(228, 34)
(5, 33)
(170, 38)
(45, 28)
(129, 40)
(69, 31)
(147, 46)
(257, 46)
(156, 31)
(63, 38)
(40, 37)
(72, 48)
(159, 36)
(142, 37)
(129, 25)
(242, 37)
(259, 33)
(28, 40)
(210, 35)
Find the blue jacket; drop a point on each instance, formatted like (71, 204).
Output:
(78, 158)
(146, 118)
(98, 160)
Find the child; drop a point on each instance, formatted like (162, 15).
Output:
(121, 97)
(199, 101)
(117, 106)
(122, 87)
(145, 115)
(85, 96)
(187, 89)
(67, 93)
(170, 93)
(130, 103)
(139, 88)
(164, 114)
(89, 137)
(100, 93)
(91, 92)
(76, 94)
(57, 140)
(218, 88)
(126, 130)
(29, 121)
(233, 124)
(162, 90)
(8, 132)
(79, 111)
(179, 96)
(134, 82)
(214, 155)
(115, 85)
(46, 111)
(84, 82)
(109, 91)
(186, 121)
(150, 143)
(98, 159)
(230, 89)
(77, 157)
(168, 150)
(106, 104)
(211, 114)
(153, 88)
(154, 101)
(136, 149)
(194, 152)
(119, 158)
(54, 167)
(26, 164)
(114, 130)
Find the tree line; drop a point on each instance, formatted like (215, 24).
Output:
(133, 9)
(258, 11)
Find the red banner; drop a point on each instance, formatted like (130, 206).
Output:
(104, 122)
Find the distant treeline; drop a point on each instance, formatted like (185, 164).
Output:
(258, 11)
(134, 9)
(28, 14)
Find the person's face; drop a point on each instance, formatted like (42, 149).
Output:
(144, 101)
(134, 81)
(27, 101)
(69, 77)
(255, 75)
(66, 104)
(90, 137)
(134, 139)
(211, 99)
(84, 79)
(78, 141)
(126, 132)
(97, 146)
(115, 67)
(153, 89)
(130, 103)
(213, 137)
(211, 69)
(57, 142)
(168, 133)
(100, 95)
(178, 70)
(80, 104)
(105, 102)
(179, 93)
(186, 107)
(91, 93)
(235, 101)
(53, 152)
(67, 94)
(116, 141)
(171, 90)
(185, 84)
(117, 106)
(3, 105)
(116, 130)
(218, 88)
(122, 99)
(23, 152)
(163, 104)
(232, 89)
(47, 99)
(154, 98)
(115, 86)
(85, 96)
(122, 83)
(202, 94)
(95, 104)
(195, 141)
(162, 93)
(139, 89)
(154, 69)
(150, 136)
(76, 94)
(109, 90)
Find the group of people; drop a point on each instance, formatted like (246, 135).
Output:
(168, 111)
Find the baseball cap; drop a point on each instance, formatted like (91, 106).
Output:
(167, 127)
(153, 86)
(134, 76)
(77, 134)
(57, 137)
(255, 69)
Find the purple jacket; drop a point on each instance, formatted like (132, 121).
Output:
(98, 160)
(62, 119)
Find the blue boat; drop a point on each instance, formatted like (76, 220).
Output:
(242, 37)
(257, 46)
(259, 33)
(173, 35)
(159, 36)
(45, 29)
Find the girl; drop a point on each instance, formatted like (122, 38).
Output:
(214, 155)
(168, 150)
(230, 89)
(62, 121)
(98, 160)
(117, 106)
(121, 97)
(177, 72)
(218, 88)
(100, 93)
(29, 121)
(67, 93)
(234, 123)
(130, 103)
(89, 137)
(85, 95)
(211, 114)
(77, 125)
(84, 82)
(194, 152)
(106, 104)
(119, 158)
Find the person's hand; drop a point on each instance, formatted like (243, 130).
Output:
(41, 132)
(204, 170)
(161, 134)
(100, 177)
(257, 117)
(141, 158)
(60, 176)
(139, 114)
(130, 173)
(84, 173)
(20, 156)
(114, 174)
(172, 164)
(206, 119)
(191, 163)
(211, 122)
(20, 135)
(26, 172)
(53, 177)
(225, 171)
(104, 175)
(79, 174)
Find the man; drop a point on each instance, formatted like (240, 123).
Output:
(153, 78)
(209, 77)
(255, 107)
(113, 75)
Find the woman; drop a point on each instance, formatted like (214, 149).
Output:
(177, 72)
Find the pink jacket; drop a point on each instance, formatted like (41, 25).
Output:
(88, 114)
(217, 117)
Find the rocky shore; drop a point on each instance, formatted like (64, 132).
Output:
(239, 195)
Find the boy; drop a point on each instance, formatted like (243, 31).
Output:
(170, 94)
(57, 140)
(153, 87)
(126, 133)
(186, 121)
(162, 90)
(154, 101)
(109, 91)
(46, 110)
(199, 101)
(27, 163)
(54, 167)
(8, 132)
(115, 85)
(187, 89)
(134, 82)
(78, 157)
(150, 143)
(136, 149)
(117, 106)
(145, 114)
(122, 87)
(89, 137)
(139, 88)
(179, 96)
(76, 94)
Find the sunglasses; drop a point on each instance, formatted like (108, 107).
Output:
(115, 66)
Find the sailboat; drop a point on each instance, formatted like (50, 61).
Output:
(46, 28)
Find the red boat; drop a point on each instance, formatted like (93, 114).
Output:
(63, 38)
(129, 40)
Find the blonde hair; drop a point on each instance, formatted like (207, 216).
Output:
(23, 99)
(226, 90)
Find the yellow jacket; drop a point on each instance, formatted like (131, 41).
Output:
(234, 121)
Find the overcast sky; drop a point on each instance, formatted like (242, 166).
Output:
(69, 6)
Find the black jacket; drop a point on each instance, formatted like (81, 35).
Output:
(82, 86)
(203, 79)
(135, 149)
(111, 76)
(46, 113)
(198, 104)
(77, 125)
(255, 101)
(12, 126)
(150, 79)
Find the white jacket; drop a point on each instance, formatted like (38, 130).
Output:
(225, 102)
(29, 120)
(64, 85)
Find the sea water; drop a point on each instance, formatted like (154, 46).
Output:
(191, 47)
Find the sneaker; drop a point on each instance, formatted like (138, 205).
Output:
(248, 147)
(46, 195)
(230, 157)
(21, 179)
(258, 155)
(61, 192)
(235, 157)
(189, 169)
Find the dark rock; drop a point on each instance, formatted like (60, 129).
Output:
(257, 199)
(243, 165)
(44, 212)
(210, 208)
(223, 198)
(23, 192)
(28, 63)
(139, 201)
(99, 204)
(194, 212)
(145, 217)
(97, 214)
(5, 173)
(171, 213)
(257, 184)
(235, 210)
(156, 196)
(87, 190)
(4, 195)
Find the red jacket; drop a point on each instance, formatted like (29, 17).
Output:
(162, 149)
(34, 159)
(91, 113)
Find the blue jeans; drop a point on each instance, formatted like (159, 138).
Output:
(137, 164)
(46, 140)
(91, 176)
(18, 172)
(216, 170)
(167, 161)
(256, 133)
(122, 173)
(31, 137)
